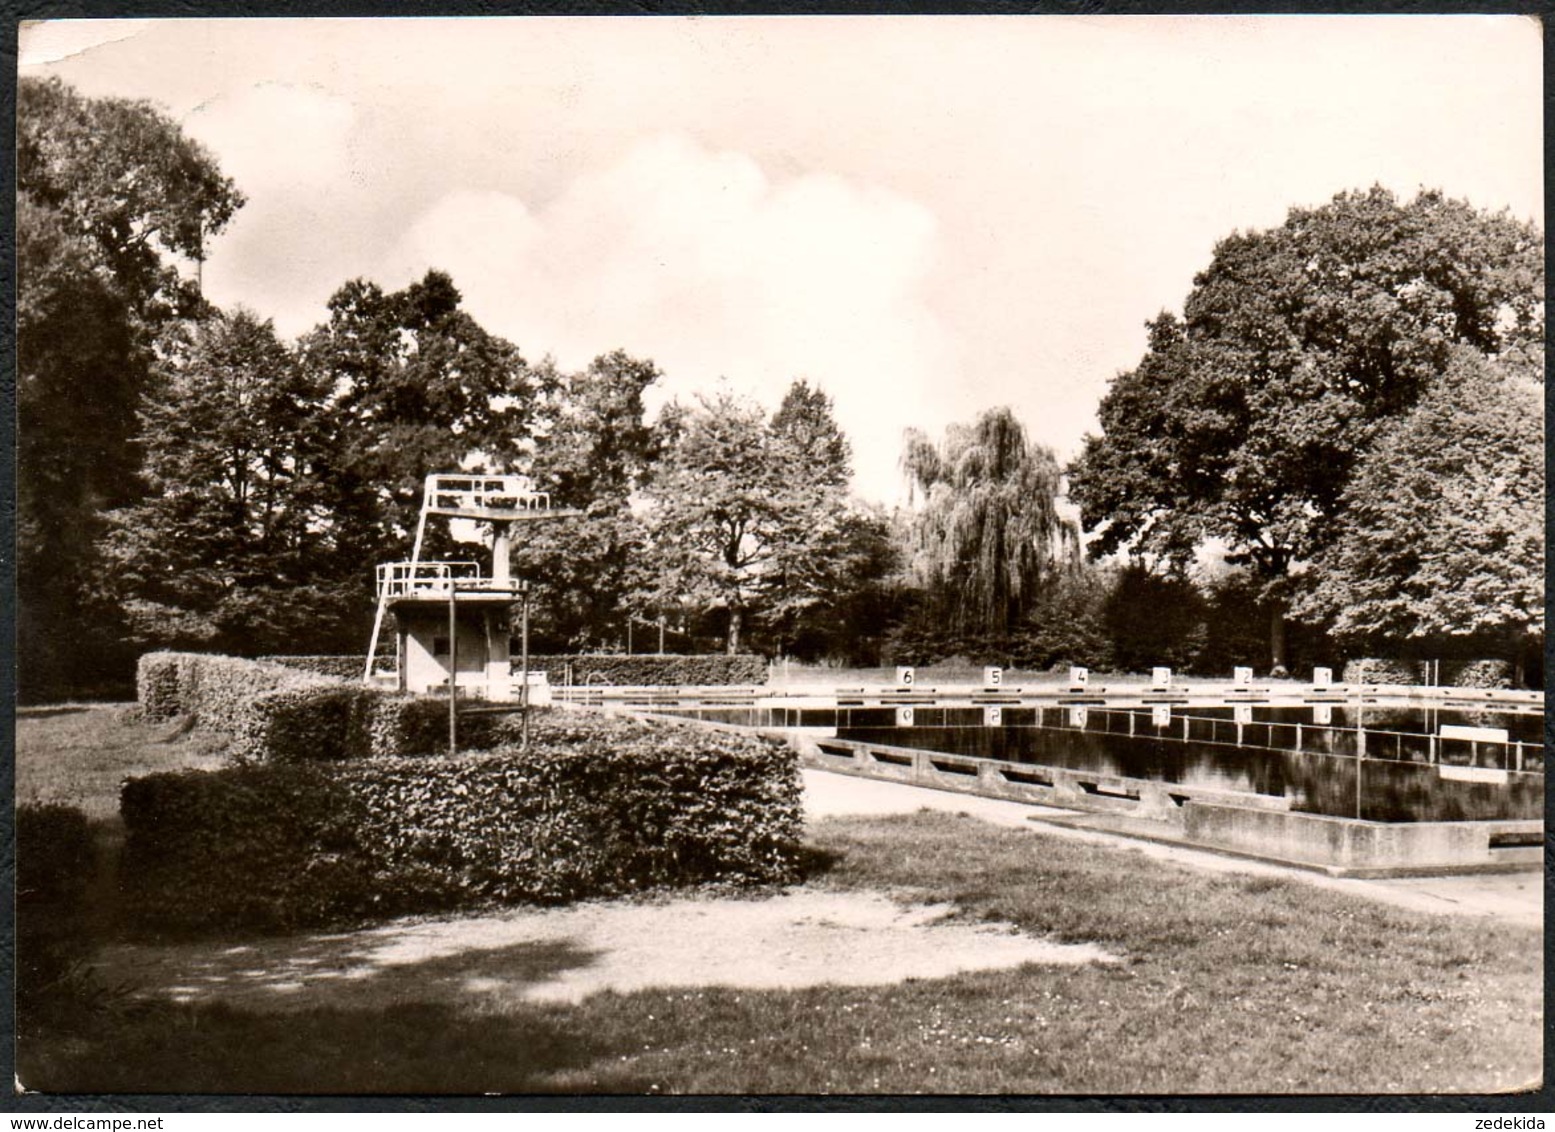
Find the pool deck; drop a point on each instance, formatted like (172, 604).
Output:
(1513, 897)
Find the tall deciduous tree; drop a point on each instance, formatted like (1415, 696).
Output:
(745, 514)
(1246, 418)
(1444, 519)
(988, 531)
(121, 175)
(416, 387)
(111, 196)
(230, 548)
(593, 457)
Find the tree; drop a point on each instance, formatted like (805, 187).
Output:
(229, 549)
(1067, 623)
(1246, 418)
(744, 514)
(1153, 619)
(813, 569)
(593, 458)
(110, 198)
(856, 599)
(121, 176)
(416, 387)
(988, 532)
(1444, 519)
(810, 441)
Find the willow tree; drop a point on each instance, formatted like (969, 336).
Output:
(987, 532)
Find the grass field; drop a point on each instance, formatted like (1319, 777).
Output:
(1228, 984)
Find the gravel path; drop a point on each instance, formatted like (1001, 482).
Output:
(799, 938)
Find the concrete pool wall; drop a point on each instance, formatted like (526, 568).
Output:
(1199, 815)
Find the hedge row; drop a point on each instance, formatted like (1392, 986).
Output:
(588, 669)
(214, 690)
(55, 860)
(602, 668)
(344, 667)
(1373, 670)
(272, 712)
(1453, 673)
(596, 807)
(671, 671)
(1477, 673)
(333, 722)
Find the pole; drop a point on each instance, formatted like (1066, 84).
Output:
(523, 666)
(1360, 756)
(453, 672)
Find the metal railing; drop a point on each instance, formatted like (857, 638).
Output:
(402, 579)
(484, 493)
(1303, 738)
(740, 706)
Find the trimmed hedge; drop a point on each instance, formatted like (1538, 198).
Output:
(277, 713)
(1454, 673)
(602, 668)
(598, 806)
(343, 667)
(338, 722)
(1372, 670)
(671, 671)
(55, 862)
(214, 690)
(334, 722)
(1477, 673)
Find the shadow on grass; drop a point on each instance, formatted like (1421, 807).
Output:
(370, 970)
(814, 862)
(329, 1014)
(398, 1049)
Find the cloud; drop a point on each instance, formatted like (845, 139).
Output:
(277, 137)
(290, 150)
(700, 261)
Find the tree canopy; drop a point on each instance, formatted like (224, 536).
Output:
(122, 177)
(745, 514)
(1247, 416)
(1444, 518)
(593, 457)
(231, 548)
(416, 387)
(988, 531)
(111, 198)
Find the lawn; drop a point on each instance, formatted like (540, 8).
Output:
(1227, 983)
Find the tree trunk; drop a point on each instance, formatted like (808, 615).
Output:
(1277, 638)
(734, 631)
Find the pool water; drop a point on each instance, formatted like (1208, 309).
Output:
(1370, 761)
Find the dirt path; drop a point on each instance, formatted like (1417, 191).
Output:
(800, 938)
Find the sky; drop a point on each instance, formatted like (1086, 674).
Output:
(925, 216)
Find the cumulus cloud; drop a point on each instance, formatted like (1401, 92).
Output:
(290, 150)
(276, 136)
(701, 261)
